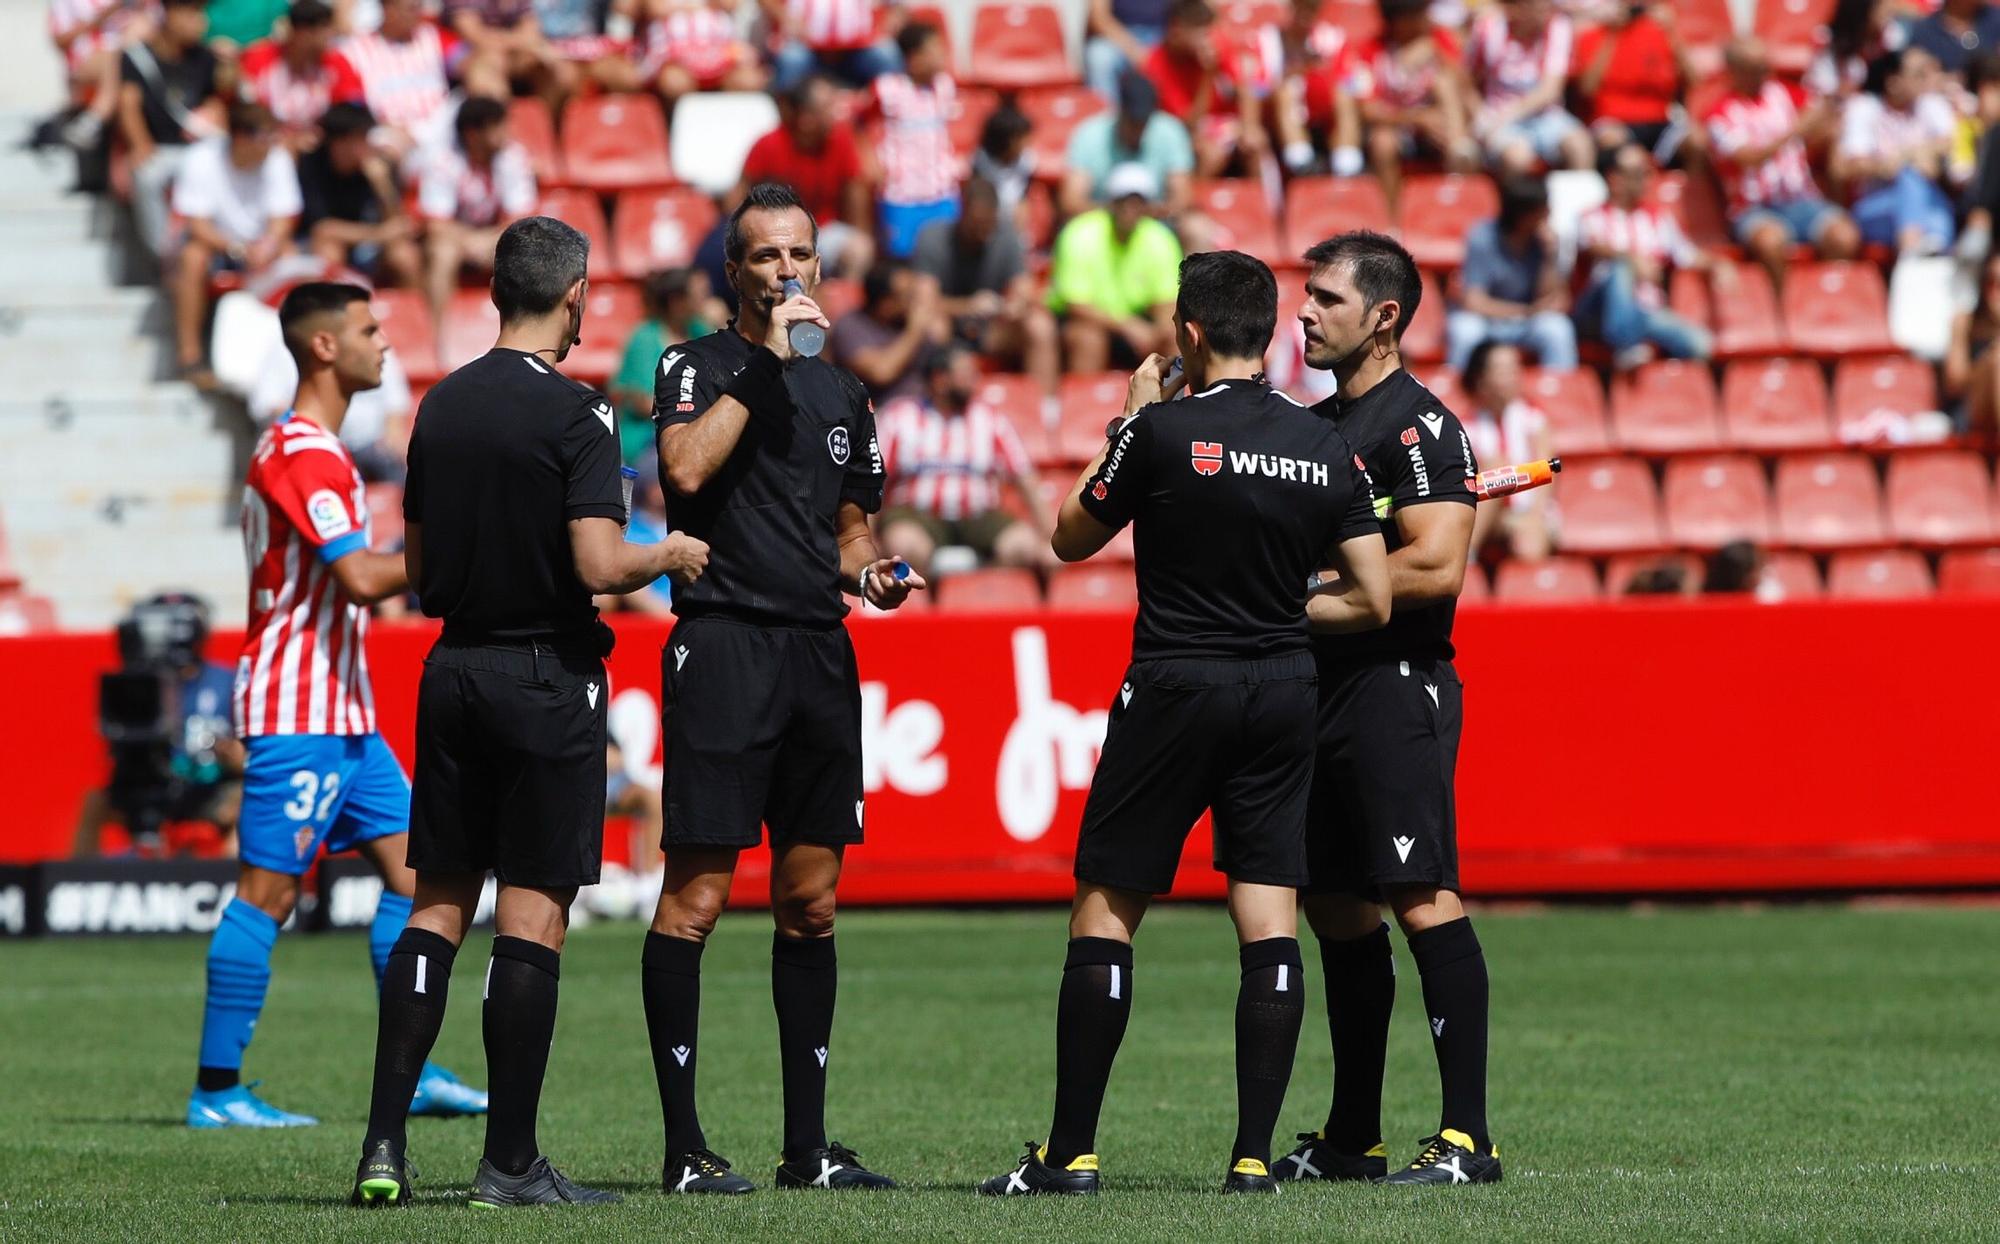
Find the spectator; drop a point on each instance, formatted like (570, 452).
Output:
(1510, 288)
(1114, 275)
(575, 29)
(947, 454)
(673, 300)
(1312, 55)
(692, 45)
(505, 50)
(1136, 132)
(837, 37)
(470, 193)
(815, 153)
(1971, 365)
(92, 36)
(913, 142)
(1858, 32)
(351, 205)
(1121, 35)
(1759, 134)
(300, 76)
(236, 24)
(1895, 141)
(1979, 148)
(238, 198)
(1520, 58)
(981, 268)
(1734, 568)
(1004, 160)
(401, 65)
(884, 340)
(1627, 245)
(168, 96)
(1197, 72)
(1403, 98)
(1631, 73)
(1958, 31)
(1505, 430)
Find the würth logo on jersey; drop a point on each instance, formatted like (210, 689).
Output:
(1410, 436)
(1207, 456)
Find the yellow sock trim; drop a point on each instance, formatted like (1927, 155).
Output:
(1083, 1162)
(1460, 1139)
(1379, 1151)
(1249, 1166)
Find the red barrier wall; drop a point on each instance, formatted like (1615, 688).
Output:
(1677, 746)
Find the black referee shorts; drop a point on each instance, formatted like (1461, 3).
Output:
(762, 726)
(510, 764)
(1231, 736)
(1384, 811)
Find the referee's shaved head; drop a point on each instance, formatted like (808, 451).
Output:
(538, 261)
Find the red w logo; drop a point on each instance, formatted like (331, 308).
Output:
(1207, 456)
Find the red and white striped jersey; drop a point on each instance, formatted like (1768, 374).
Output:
(304, 666)
(1515, 435)
(1401, 77)
(950, 466)
(1648, 231)
(298, 100)
(1738, 122)
(452, 189)
(1506, 68)
(66, 16)
(919, 163)
(833, 25)
(404, 83)
(696, 35)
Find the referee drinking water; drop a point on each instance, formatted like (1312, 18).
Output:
(513, 507)
(1236, 494)
(770, 456)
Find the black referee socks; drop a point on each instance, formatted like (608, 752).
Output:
(1453, 969)
(804, 977)
(1091, 1011)
(414, 985)
(519, 1022)
(1360, 994)
(1270, 1006)
(670, 970)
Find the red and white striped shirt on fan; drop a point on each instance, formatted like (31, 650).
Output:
(298, 100)
(304, 666)
(950, 466)
(696, 35)
(1647, 231)
(1506, 68)
(1741, 121)
(404, 83)
(833, 25)
(913, 143)
(74, 15)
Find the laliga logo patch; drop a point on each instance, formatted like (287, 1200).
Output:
(1410, 436)
(1207, 456)
(328, 514)
(837, 445)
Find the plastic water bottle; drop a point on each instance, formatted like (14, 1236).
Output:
(628, 478)
(807, 338)
(902, 570)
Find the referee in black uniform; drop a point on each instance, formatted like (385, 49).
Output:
(514, 508)
(1236, 494)
(771, 458)
(1383, 821)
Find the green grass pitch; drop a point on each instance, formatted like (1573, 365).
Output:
(1805, 1073)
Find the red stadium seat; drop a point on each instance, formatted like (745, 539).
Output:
(1241, 216)
(837, 296)
(1695, 205)
(1665, 408)
(471, 323)
(1790, 576)
(582, 210)
(10, 574)
(1019, 399)
(1316, 208)
(1475, 589)
(1871, 397)
(1444, 386)
(1940, 497)
(1253, 14)
(385, 516)
(968, 119)
(982, 591)
(611, 312)
(1837, 308)
(1089, 403)
(1094, 589)
(1017, 45)
(1970, 572)
(1556, 581)
(406, 321)
(615, 142)
(1361, 19)
(1609, 506)
(1829, 501)
(1574, 402)
(529, 124)
(937, 18)
(1439, 210)
(657, 229)
(1791, 29)
(1747, 324)
(1705, 26)
(1688, 296)
(1775, 404)
(22, 614)
(1423, 340)
(1621, 570)
(1713, 501)
(1055, 112)
(1885, 574)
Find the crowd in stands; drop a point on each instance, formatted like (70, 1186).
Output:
(1630, 213)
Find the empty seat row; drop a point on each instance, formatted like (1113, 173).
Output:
(1095, 587)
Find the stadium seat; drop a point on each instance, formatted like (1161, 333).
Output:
(1873, 397)
(530, 124)
(1423, 340)
(1359, 19)
(1088, 404)
(385, 516)
(10, 573)
(1093, 589)
(1747, 323)
(1019, 399)
(1253, 14)
(1833, 309)
(614, 142)
(471, 322)
(656, 229)
(1316, 208)
(1609, 506)
(582, 210)
(968, 119)
(1574, 402)
(1940, 497)
(940, 19)
(1054, 112)
(995, 589)
(712, 133)
(1688, 296)
(837, 296)
(1790, 576)
(1475, 590)
(1556, 581)
(22, 614)
(1444, 386)
(1705, 27)
(1621, 570)
(1439, 210)
(1711, 501)
(1885, 574)
(1017, 45)
(1970, 572)
(1241, 216)
(1665, 408)
(1792, 30)
(1695, 205)
(406, 321)
(611, 312)
(1829, 501)
(1775, 404)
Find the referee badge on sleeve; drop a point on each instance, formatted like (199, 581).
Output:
(838, 446)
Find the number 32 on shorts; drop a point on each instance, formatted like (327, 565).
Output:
(310, 788)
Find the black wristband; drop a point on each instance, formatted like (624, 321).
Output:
(760, 386)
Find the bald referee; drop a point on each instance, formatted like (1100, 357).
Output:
(514, 509)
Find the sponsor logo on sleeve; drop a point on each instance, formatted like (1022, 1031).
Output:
(329, 515)
(1410, 436)
(1207, 456)
(1099, 491)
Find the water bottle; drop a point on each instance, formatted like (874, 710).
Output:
(807, 338)
(627, 478)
